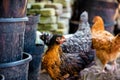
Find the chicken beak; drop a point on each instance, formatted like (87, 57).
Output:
(63, 39)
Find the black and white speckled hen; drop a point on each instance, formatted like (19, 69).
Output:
(81, 39)
(77, 47)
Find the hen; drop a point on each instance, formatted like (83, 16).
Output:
(71, 64)
(77, 47)
(77, 53)
(107, 46)
(81, 39)
(51, 59)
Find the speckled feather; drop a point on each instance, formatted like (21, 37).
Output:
(81, 39)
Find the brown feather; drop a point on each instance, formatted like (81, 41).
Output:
(51, 59)
(106, 45)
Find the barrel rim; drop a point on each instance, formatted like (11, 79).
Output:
(37, 15)
(16, 63)
(33, 19)
(13, 19)
(2, 77)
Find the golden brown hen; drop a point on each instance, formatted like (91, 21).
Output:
(107, 46)
(51, 59)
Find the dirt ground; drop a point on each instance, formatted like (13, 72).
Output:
(44, 76)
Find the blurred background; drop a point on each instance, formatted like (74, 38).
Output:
(64, 18)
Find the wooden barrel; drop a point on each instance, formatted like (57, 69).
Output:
(12, 27)
(17, 70)
(12, 8)
(73, 26)
(104, 8)
(11, 38)
(2, 77)
(30, 32)
(35, 64)
(33, 49)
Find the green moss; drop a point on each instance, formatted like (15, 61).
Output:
(65, 3)
(47, 27)
(47, 12)
(61, 25)
(33, 11)
(37, 5)
(60, 31)
(54, 5)
(46, 20)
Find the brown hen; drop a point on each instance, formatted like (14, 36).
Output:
(107, 46)
(51, 59)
